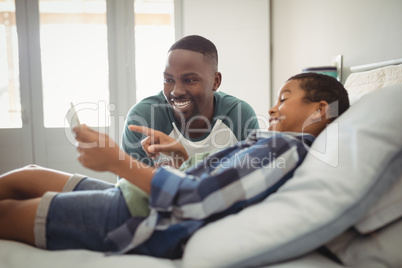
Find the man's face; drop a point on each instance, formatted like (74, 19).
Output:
(291, 112)
(189, 84)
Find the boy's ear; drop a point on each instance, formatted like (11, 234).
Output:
(322, 110)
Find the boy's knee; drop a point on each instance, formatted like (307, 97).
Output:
(10, 208)
(17, 219)
(32, 167)
(29, 170)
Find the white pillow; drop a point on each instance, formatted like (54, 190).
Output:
(349, 167)
(353, 98)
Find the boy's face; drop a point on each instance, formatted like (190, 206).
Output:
(291, 112)
(189, 84)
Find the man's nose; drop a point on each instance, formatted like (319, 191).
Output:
(178, 90)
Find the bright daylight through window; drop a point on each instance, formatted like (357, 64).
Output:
(74, 57)
(74, 53)
(154, 34)
(75, 61)
(10, 104)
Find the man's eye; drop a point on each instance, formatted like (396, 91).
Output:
(167, 80)
(189, 80)
(282, 100)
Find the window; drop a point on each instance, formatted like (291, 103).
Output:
(79, 51)
(10, 104)
(73, 37)
(154, 34)
(74, 57)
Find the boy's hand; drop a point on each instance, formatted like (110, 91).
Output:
(158, 142)
(97, 150)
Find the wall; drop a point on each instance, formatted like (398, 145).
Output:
(310, 32)
(240, 31)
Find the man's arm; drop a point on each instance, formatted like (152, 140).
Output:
(152, 112)
(99, 152)
(158, 142)
(131, 141)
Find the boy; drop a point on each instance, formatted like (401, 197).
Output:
(180, 203)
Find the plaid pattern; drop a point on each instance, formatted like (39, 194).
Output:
(224, 183)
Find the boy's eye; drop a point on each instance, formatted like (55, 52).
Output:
(282, 100)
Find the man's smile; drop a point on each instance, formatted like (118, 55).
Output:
(181, 105)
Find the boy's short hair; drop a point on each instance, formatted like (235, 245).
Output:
(320, 87)
(198, 44)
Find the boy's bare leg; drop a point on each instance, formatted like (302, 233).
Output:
(31, 182)
(17, 218)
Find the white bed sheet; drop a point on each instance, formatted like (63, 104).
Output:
(18, 255)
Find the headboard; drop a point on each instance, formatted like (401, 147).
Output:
(371, 66)
(370, 77)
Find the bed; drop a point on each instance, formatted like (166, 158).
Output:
(343, 208)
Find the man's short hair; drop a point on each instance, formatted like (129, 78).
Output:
(198, 44)
(320, 87)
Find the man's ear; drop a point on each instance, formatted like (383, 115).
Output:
(217, 81)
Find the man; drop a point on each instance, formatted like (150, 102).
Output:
(189, 109)
(180, 203)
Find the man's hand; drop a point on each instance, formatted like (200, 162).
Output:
(158, 142)
(97, 150)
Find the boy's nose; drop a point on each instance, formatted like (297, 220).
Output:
(272, 111)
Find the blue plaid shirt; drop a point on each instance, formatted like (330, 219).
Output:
(223, 184)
